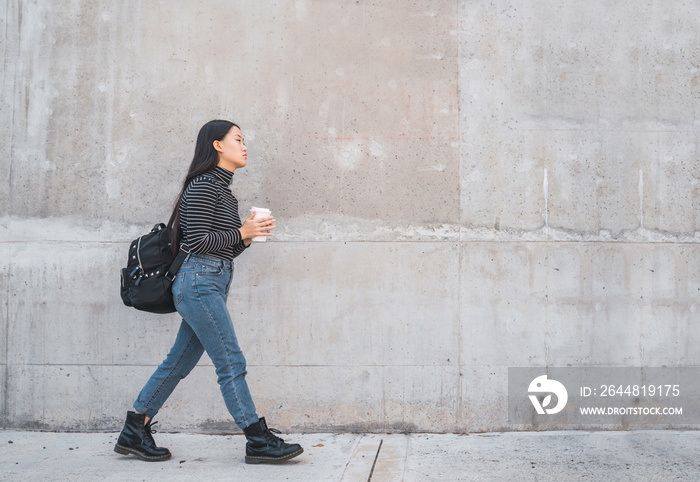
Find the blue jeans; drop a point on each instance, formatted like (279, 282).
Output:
(200, 290)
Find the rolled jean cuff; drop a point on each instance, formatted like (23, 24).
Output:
(150, 413)
(250, 422)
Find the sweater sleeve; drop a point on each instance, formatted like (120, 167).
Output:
(201, 203)
(239, 248)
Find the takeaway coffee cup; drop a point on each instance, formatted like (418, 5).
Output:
(260, 213)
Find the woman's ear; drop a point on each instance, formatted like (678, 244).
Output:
(217, 147)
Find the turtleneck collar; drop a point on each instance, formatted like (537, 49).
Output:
(222, 175)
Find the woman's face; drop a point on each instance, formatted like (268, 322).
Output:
(232, 150)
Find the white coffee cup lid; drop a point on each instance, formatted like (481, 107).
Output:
(259, 209)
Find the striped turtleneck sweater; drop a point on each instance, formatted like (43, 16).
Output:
(209, 216)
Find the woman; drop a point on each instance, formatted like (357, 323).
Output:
(205, 220)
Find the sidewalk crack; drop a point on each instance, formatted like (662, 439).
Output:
(381, 441)
(350, 458)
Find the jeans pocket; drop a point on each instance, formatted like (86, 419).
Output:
(177, 288)
(228, 283)
(210, 270)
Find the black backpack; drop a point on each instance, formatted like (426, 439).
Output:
(150, 271)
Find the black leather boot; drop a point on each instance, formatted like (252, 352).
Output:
(136, 439)
(264, 447)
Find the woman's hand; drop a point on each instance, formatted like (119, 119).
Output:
(256, 227)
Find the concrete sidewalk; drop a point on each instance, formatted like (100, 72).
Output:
(541, 456)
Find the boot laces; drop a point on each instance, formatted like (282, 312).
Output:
(148, 430)
(271, 434)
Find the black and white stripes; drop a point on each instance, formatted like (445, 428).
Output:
(209, 216)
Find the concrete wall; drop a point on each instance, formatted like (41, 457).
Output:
(460, 187)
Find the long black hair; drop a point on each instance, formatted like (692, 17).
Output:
(205, 158)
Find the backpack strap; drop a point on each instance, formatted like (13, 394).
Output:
(177, 262)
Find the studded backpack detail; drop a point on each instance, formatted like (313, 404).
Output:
(150, 271)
